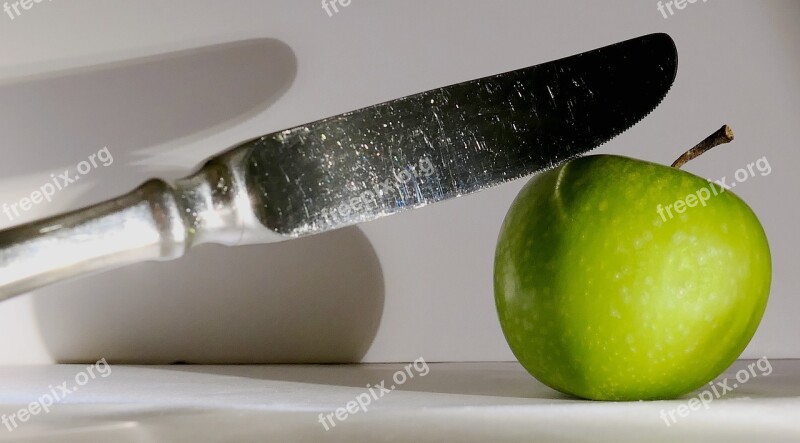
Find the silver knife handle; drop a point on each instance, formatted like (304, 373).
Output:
(144, 224)
(153, 222)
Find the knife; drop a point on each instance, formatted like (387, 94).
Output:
(357, 166)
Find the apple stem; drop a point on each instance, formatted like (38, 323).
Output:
(722, 136)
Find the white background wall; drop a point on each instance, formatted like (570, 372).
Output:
(418, 284)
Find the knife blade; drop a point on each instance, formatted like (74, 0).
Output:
(455, 140)
(357, 166)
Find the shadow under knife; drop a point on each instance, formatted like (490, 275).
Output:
(317, 299)
(53, 121)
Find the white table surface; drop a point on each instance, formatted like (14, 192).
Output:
(465, 402)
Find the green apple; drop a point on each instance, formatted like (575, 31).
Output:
(601, 295)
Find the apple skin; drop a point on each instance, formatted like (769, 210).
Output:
(601, 298)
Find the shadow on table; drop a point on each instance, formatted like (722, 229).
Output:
(317, 299)
(485, 379)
